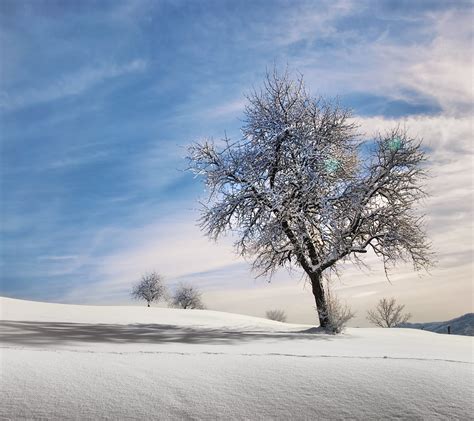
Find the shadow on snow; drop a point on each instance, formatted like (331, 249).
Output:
(21, 333)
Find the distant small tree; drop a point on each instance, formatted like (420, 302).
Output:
(338, 313)
(388, 313)
(187, 297)
(150, 289)
(277, 315)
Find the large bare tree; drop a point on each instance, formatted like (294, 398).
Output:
(298, 188)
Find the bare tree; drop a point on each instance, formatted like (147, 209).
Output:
(388, 313)
(299, 190)
(338, 314)
(277, 315)
(187, 297)
(150, 288)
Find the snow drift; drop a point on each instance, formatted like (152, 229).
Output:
(96, 362)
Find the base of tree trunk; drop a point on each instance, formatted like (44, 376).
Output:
(320, 299)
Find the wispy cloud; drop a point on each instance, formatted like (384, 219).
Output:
(364, 294)
(444, 69)
(449, 209)
(78, 160)
(69, 84)
(233, 107)
(174, 247)
(435, 64)
(58, 258)
(311, 22)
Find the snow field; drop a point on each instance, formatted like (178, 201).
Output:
(66, 362)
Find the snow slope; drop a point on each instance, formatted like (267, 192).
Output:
(93, 362)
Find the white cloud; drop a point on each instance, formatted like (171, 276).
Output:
(234, 107)
(70, 84)
(310, 21)
(131, 12)
(364, 294)
(443, 70)
(59, 258)
(447, 136)
(438, 68)
(174, 247)
(78, 160)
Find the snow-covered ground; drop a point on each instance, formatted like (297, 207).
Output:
(96, 362)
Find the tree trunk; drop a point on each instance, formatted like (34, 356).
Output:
(320, 298)
(148, 304)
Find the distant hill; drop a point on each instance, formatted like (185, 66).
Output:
(463, 325)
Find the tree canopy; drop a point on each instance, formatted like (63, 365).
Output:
(301, 188)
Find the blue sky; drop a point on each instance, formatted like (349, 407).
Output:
(99, 99)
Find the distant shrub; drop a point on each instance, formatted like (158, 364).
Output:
(150, 288)
(338, 314)
(277, 315)
(388, 313)
(187, 297)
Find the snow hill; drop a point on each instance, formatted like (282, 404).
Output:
(65, 362)
(463, 325)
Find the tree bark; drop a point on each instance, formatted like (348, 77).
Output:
(320, 298)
